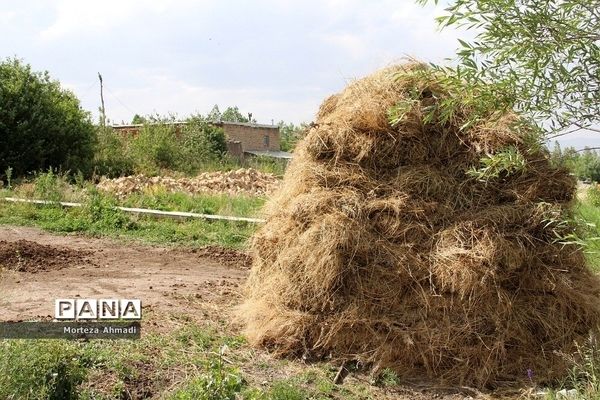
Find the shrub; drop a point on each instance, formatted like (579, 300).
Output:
(154, 148)
(50, 186)
(112, 158)
(41, 124)
(162, 145)
(200, 143)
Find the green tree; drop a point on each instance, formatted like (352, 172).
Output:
(233, 114)
(539, 57)
(202, 141)
(42, 125)
(214, 114)
(138, 119)
(290, 134)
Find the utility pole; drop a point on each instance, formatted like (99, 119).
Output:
(102, 109)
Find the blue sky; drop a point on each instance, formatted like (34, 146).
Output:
(276, 59)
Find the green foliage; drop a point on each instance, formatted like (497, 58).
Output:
(101, 213)
(589, 215)
(219, 383)
(539, 57)
(290, 134)
(112, 158)
(155, 148)
(499, 165)
(266, 164)
(584, 164)
(8, 173)
(160, 199)
(42, 369)
(387, 378)
(231, 114)
(138, 119)
(201, 143)
(160, 145)
(286, 391)
(97, 218)
(593, 195)
(164, 145)
(41, 124)
(50, 186)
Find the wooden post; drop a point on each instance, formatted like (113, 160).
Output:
(102, 109)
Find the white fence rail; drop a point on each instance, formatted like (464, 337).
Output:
(145, 211)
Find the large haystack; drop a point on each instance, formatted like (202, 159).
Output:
(380, 247)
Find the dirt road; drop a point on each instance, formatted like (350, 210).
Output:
(38, 267)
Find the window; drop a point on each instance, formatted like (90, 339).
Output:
(266, 141)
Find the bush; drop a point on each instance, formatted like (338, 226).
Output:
(200, 143)
(154, 148)
(41, 124)
(112, 158)
(161, 145)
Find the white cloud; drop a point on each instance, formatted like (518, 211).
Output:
(77, 16)
(351, 43)
(7, 17)
(164, 94)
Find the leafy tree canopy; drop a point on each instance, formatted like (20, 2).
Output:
(41, 124)
(291, 134)
(138, 119)
(539, 57)
(231, 114)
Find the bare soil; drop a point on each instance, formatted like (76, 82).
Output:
(27, 256)
(39, 267)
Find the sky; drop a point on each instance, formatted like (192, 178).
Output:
(276, 59)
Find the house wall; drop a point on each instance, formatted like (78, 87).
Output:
(234, 148)
(253, 138)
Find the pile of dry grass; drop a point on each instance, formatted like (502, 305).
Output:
(380, 247)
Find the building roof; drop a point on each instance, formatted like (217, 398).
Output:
(271, 153)
(251, 125)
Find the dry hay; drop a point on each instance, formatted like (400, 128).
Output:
(245, 181)
(380, 248)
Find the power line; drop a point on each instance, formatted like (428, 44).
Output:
(86, 91)
(119, 100)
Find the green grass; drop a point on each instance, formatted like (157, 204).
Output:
(192, 362)
(98, 216)
(105, 221)
(60, 369)
(160, 199)
(590, 214)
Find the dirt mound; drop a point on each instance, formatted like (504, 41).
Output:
(26, 256)
(242, 181)
(225, 256)
(382, 247)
